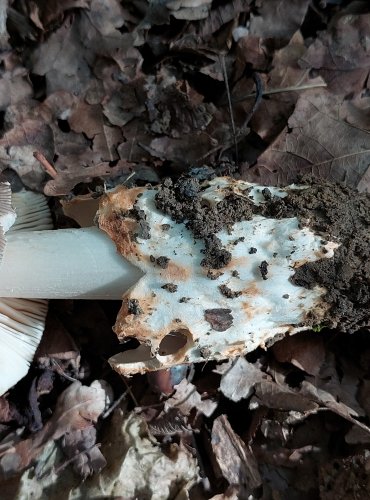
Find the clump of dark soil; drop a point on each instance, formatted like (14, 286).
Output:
(342, 215)
(182, 202)
(142, 228)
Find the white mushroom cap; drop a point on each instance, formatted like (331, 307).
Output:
(22, 321)
(190, 319)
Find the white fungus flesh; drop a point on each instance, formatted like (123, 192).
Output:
(190, 319)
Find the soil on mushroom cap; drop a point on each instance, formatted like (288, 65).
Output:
(182, 202)
(333, 211)
(338, 214)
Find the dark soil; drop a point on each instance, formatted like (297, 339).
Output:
(335, 212)
(343, 215)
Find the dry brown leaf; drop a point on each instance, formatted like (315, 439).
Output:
(43, 13)
(278, 397)
(239, 378)
(357, 111)
(18, 145)
(14, 83)
(67, 180)
(81, 445)
(56, 343)
(62, 60)
(253, 50)
(327, 400)
(305, 351)
(136, 467)
(230, 494)
(317, 141)
(220, 16)
(78, 408)
(89, 120)
(235, 458)
(189, 10)
(275, 109)
(186, 397)
(338, 382)
(341, 53)
(278, 19)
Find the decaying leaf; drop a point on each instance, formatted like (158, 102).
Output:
(186, 397)
(283, 85)
(78, 408)
(136, 468)
(306, 352)
(80, 447)
(273, 395)
(239, 378)
(17, 147)
(278, 19)
(341, 54)
(317, 141)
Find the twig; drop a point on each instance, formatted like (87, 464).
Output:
(45, 164)
(114, 405)
(61, 372)
(244, 129)
(278, 91)
(257, 101)
(130, 392)
(226, 81)
(130, 176)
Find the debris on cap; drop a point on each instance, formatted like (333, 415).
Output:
(212, 298)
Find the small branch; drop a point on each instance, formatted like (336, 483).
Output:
(226, 81)
(257, 101)
(45, 164)
(130, 392)
(114, 405)
(59, 370)
(279, 91)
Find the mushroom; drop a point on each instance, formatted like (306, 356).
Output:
(22, 321)
(220, 262)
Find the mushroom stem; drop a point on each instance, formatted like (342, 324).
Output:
(67, 263)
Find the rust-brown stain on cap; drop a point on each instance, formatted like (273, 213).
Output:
(175, 273)
(121, 198)
(252, 290)
(118, 227)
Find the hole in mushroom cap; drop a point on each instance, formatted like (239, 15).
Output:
(173, 342)
(172, 350)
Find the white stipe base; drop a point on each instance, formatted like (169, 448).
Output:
(64, 264)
